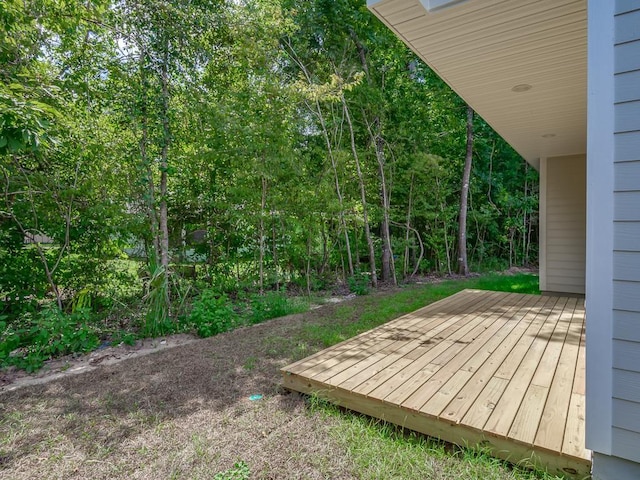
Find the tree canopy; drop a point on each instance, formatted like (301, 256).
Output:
(158, 149)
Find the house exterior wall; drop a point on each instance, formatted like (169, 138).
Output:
(563, 210)
(626, 232)
(613, 239)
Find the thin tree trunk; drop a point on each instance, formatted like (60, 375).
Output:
(263, 204)
(308, 269)
(325, 250)
(405, 268)
(388, 273)
(325, 134)
(446, 247)
(388, 266)
(275, 251)
(150, 197)
(463, 267)
(363, 198)
(164, 163)
(419, 238)
(388, 270)
(334, 167)
(525, 219)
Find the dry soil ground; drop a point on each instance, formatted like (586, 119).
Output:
(180, 412)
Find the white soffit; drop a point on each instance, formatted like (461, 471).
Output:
(485, 48)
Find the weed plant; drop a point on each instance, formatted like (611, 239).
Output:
(34, 338)
(212, 314)
(359, 283)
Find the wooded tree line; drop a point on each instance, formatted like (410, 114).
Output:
(236, 145)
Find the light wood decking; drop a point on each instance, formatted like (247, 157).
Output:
(500, 370)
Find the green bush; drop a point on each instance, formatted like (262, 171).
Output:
(359, 283)
(212, 314)
(29, 341)
(272, 305)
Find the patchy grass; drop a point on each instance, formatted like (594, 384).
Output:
(383, 451)
(187, 412)
(375, 310)
(519, 283)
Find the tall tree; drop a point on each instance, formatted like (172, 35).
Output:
(463, 266)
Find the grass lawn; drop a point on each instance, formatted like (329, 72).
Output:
(214, 409)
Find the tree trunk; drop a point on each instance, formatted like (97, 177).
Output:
(463, 267)
(274, 251)
(263, 204)
(388, 266)
(308, 266)
(388, 270)
(164, 163)
(325, 133)
(405, 268)
(363, 198)
(144, 142)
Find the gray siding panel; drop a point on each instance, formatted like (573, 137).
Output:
(627, 57)
(626, 384)
(627, 86)
(627, 206)
(626, 266)
(628, 27)
(627, 176)
(627, 116)
(626, 443)
(627, 146)
(627, 236)
(626, 355)
(626, 296)
(626, 415)
(624, 6)
(626, 326)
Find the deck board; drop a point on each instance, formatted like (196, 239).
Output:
(503, 370)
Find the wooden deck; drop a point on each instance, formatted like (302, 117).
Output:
(500, 370)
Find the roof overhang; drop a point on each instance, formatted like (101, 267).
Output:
(522, 65)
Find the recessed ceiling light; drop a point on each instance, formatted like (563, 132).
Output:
(523, 87)
(548, 135)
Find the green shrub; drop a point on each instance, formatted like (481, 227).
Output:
(359, 283)
(157, 321)
(212, 314)
(47, 334)
(273, 305)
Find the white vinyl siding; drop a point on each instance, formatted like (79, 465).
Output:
(565, 221)
(626, 255)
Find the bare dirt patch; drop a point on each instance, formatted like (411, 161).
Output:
(13, 378)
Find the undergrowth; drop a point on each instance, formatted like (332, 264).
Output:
(26, 344)
(214, 313)
(33, 338)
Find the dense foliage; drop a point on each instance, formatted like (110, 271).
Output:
(157, 149)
